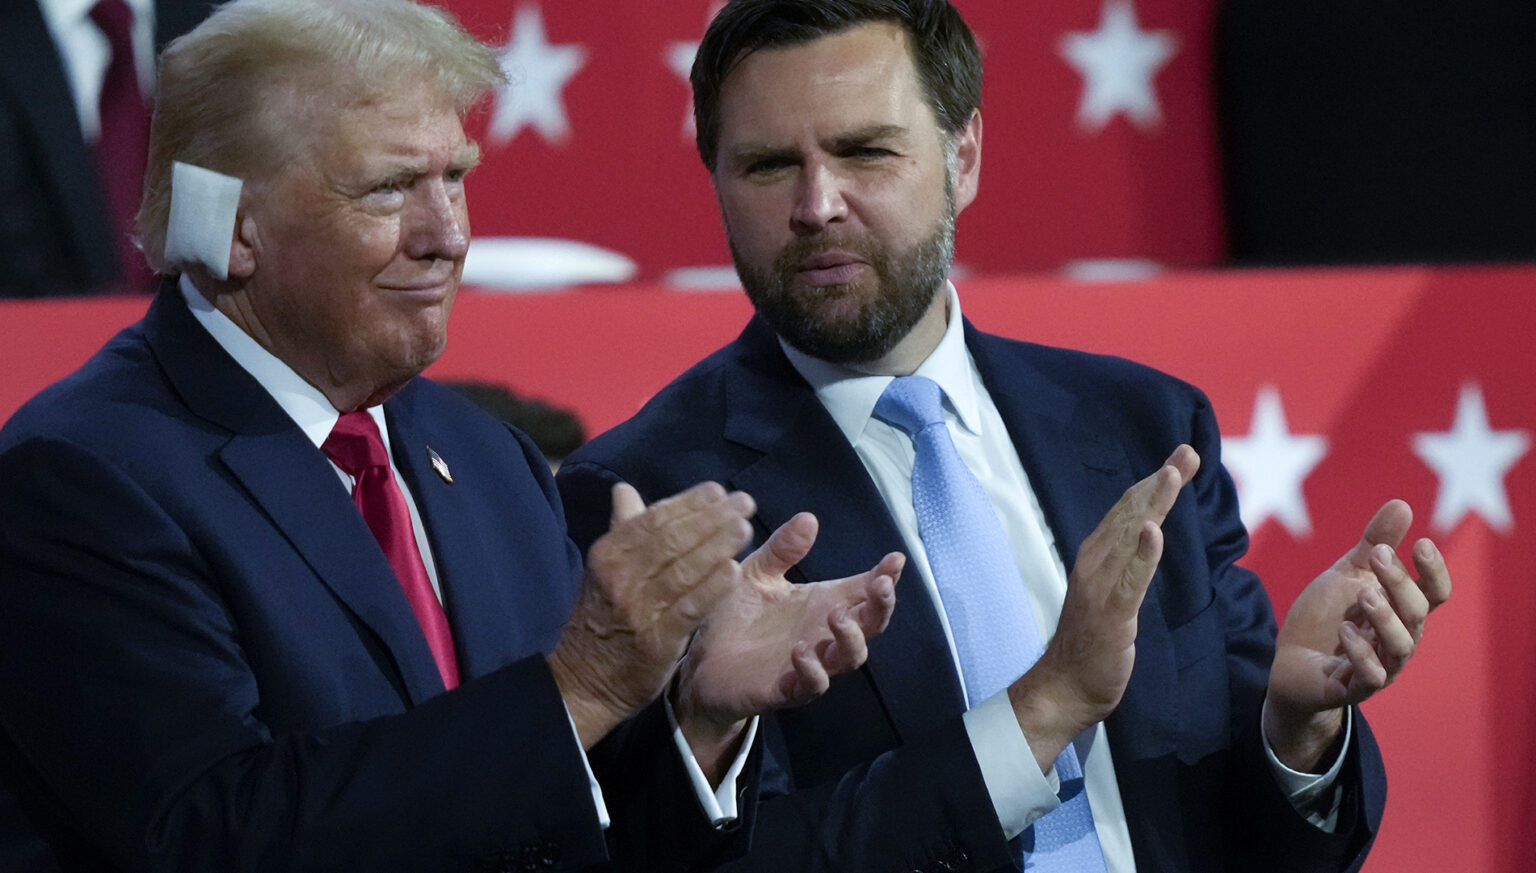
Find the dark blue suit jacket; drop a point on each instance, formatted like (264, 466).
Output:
(879, 775)
(206, 662)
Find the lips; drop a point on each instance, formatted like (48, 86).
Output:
(435, 281)
(831, 268)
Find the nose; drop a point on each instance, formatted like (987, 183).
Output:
(437, 222)
(819, 200)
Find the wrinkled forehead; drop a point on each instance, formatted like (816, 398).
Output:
(852, 78)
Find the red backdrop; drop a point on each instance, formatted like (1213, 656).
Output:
(598, 113)
(1366, 361)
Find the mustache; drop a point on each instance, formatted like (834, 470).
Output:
(809, 246)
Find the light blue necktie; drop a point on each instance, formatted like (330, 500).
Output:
(984, 598)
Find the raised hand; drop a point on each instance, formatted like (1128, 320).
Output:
(1349, 634)
(772, 644)
(1087, 664)
(649, 583)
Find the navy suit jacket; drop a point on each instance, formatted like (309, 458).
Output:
(206, 662)
(55, 235)
(878, 774)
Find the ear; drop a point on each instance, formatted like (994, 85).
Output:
(968, 162)
(242, 247)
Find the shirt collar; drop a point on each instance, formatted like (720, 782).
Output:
(850, 396)
(303, 402)
(66, 13)
(63, 14)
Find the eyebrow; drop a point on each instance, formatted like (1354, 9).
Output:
(468, 157)
(748, 153)
(865, 135)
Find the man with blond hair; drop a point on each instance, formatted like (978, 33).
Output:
(272, 602)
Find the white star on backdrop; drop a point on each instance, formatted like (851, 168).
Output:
(680, 58)
(538, 73)
(1117, 63)
(1270, 463)
(1471, 460)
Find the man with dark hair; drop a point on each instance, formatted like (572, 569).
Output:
(1085, 680)
(270, 601)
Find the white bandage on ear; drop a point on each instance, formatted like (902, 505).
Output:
(202, 225)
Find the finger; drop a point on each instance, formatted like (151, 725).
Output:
(1387, 527)
(627, 504)
(707, 498)
(1186, 461)
(645, 545)
(849, 648)
(1367, 675)
(699, 564)
(682, 615)
(1408, 601)
(1131, 587)
(1394, 639)
(811, 679)
(1434, 576)
(874, 613)
(1150, 499)
(785, 547)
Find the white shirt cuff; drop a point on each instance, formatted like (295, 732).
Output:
(597, 790)
(719, 804)
(1020, 792)
(1306, 790)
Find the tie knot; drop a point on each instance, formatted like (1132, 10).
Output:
(355, 445)
(115, 20)
(911, 403)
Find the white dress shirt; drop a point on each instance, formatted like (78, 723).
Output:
(1019, 791)
(85, 53)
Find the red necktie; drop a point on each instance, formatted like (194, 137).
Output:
(355, 446)
(123, 148)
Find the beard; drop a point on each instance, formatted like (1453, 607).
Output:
(874, 319)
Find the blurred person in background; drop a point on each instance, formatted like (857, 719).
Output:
(76, 81)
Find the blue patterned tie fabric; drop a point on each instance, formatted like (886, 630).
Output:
(984, 598)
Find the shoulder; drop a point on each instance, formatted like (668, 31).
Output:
(1117, 386)
(118, 392)
(687, 416)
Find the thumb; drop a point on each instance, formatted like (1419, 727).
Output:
(785, 548)
(627, 504)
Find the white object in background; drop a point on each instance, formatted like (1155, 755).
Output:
(506, 263)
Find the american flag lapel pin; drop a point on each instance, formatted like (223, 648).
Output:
(440, 465)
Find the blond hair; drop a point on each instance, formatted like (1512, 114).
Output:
(220, 103)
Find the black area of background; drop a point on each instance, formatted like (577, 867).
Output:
(1378, 131)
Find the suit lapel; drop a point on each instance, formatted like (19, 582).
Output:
(806, 464)
(483, 638)
(1078, 472)
(293, 484)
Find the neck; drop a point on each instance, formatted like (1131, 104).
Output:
(234, 299)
